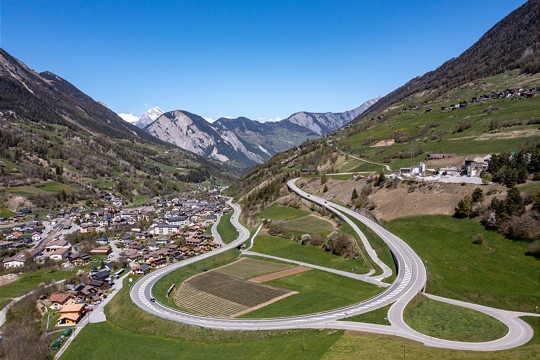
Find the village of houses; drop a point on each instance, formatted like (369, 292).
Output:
(178, 229)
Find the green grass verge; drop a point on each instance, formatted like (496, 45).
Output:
(128, 326)
(289, 249)
(378, 316)
(308, 225)
(535, 324)
(530, 187)
(279, 212)
(317, 291)
(380, 247)
(30, 280)
(451, 322)
(54, 187)
(340, 177)
(497, 273)
(118, 343)
(226, 229)
(123, 314)
(6, 213)
(357, 345)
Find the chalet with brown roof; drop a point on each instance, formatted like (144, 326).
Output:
(194, 241)
(60, 254)
(71, 313)
(173, 248)
(79, 260)
(58, 300)
(141, 270)
(101, 250)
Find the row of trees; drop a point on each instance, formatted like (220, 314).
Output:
(510, 216)
(512, 169)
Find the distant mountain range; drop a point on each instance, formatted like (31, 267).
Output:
(242, 142)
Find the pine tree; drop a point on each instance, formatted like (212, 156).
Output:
(325, 188)
(354, 194)
(324, 179)
(477, 195)
(514, 202)
(464, 208)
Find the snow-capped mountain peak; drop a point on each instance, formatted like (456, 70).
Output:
(130, 118)
(149, 117)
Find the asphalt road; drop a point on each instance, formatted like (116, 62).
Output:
(410, 280)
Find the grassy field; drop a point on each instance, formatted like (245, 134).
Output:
(6, 164)
(139, 200)
(289, 249)
(356, 345)
(6, 213)
(49, 187)
(531, 187)
(452, 322)
(30, 280)
(497, 273)
(54, 187)
(227, 231)
(378, 316)
(495, 125)
(382, 250)
(317, 291)
(278, 212)
(130, 332)
(117, 343)
(308, 225)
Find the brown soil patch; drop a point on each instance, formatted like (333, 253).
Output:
(280, 274)
(6, 279)
(386, 142)
(406, 199)
(15, 203)
(215, 294)
(423, 199)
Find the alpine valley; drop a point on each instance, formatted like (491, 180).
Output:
(242, 142)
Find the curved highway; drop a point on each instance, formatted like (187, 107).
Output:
(410, 280)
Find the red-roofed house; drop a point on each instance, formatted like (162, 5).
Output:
(58, 300)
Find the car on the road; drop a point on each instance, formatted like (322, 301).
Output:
(152, 300)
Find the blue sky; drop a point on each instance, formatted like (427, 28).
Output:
(259, 59)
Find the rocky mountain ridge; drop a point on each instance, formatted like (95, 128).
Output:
(242, 141)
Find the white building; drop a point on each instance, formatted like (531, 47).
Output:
(18, 260)
(165, 229)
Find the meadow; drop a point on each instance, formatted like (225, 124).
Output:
(497, 273)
